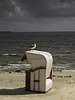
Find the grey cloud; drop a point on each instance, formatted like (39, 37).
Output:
(48, 8)
(5, 8)
(9, 8)
(68, 1)
(23, 10)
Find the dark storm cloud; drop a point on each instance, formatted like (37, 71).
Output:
(68, 1)
(26, 9)
(49, 8)
(6, 7)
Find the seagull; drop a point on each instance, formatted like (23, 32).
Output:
(33, 46)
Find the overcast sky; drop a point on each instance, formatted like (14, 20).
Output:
(37, 15)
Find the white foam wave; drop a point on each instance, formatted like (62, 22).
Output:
(13, 54)
(16, 66)
(19, 65)
(6, 54)
(68, 70)
(9, 54)
(62, 66)
(59, 67)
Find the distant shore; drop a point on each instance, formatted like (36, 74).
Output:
(37, 32)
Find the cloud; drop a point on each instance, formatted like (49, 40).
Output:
(5, 8)
(48, 8)
(35, 11)
(9, 9)
(37, 8)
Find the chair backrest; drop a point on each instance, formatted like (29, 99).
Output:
(39, 59)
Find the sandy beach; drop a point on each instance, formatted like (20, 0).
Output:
(12, 87)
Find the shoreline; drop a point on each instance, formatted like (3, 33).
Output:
(23, 71)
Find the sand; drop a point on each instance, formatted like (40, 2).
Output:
(12, 87)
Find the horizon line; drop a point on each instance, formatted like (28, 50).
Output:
(32, 31)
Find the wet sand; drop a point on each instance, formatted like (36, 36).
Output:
(12, 87)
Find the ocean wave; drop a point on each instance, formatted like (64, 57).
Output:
(6, 54)
(62, 66)
(9, 54)
(13, 54)
(14, 67)
(68, 70)
(18, 65)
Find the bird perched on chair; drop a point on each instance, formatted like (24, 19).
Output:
(32, 47)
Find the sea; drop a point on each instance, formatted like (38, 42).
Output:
(13, 46)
